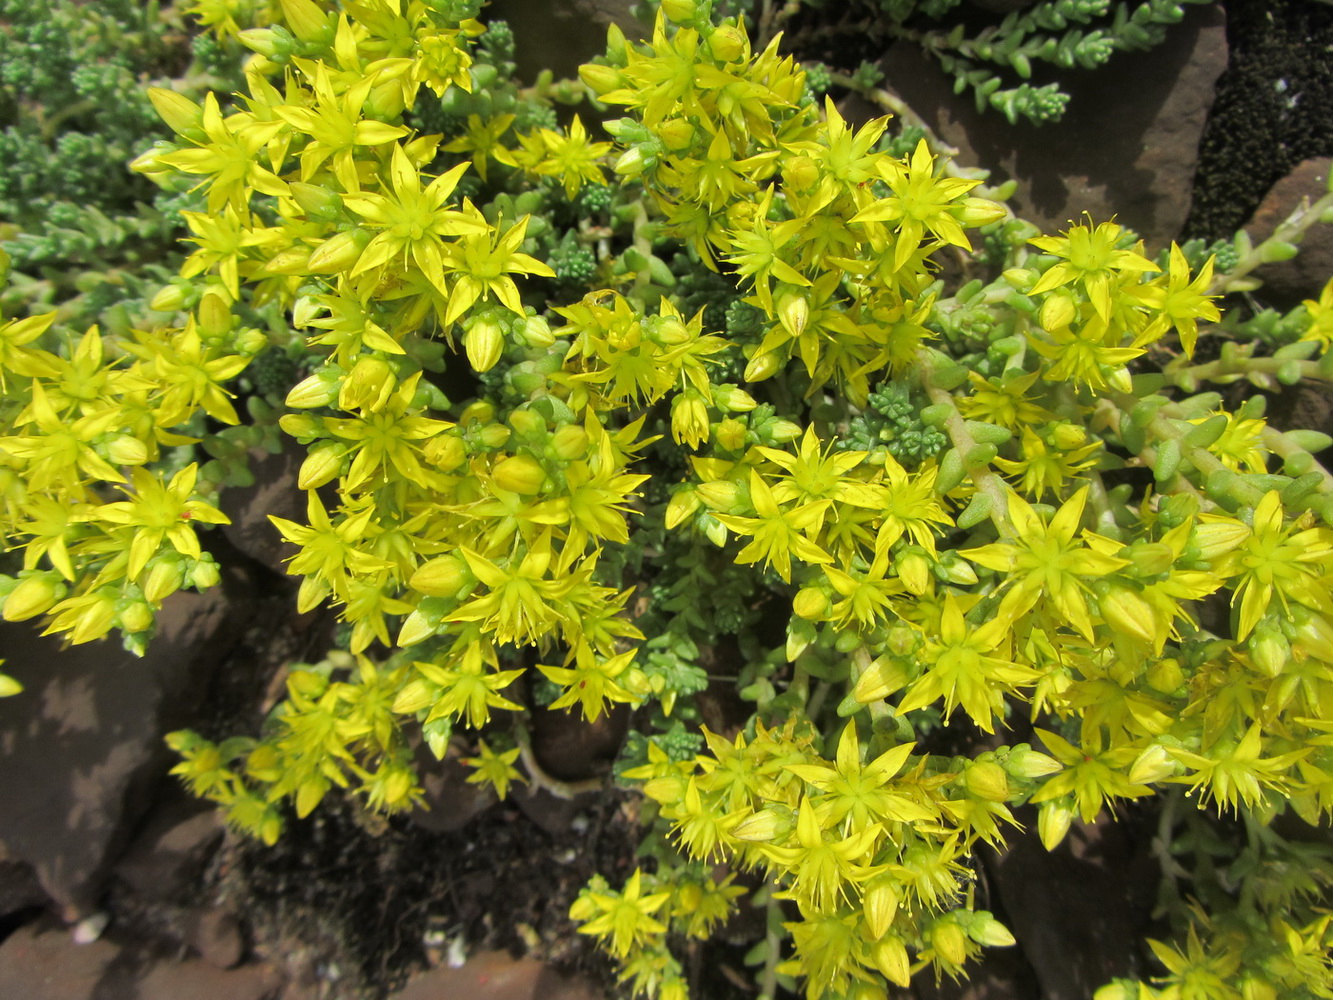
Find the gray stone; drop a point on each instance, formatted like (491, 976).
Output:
(81, 748)
(1289, 282)
(1127, 146)
(19, 888)
(451, 801)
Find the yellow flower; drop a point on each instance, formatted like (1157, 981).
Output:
(160, 512)
(572, 157)
(494, 769)
(1090, 259)
(481, 263)
(1042, 562)
(1179, 302)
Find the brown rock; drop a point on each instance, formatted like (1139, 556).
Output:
(569, 747)
(493, 975)
(82, 746)
(1127, 146)
(274, 491)
(168, 854)
(1288, 282)
(19, 888)
(217, 936)
(563, 34)
(450, 800)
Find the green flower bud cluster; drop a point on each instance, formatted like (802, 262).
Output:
(893, 421)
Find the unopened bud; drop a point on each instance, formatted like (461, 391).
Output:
(1151, 558)
(736, 400)
(1269, 649)
(1165, 675)
(443, 576)
(1057, 311)
(181, 114)
(484, 342)
(534, 331)
(318, 202)
(569, 443)
(1024, 762)
(1067, 436)
(763, 366)
(986, 780)
(169, 298)
(800, 174)
(914, 571)
(165, 576)
(519, 474)
(987, 931)
(494, 435)
(322, 465)
(948, 940)
(676, 134)
(680, 11)
(1153, 764)
(765, 826)
(793, 312)
(720, 495)
(1053, 823)
(881, 904)
(783, 431)
(205, 574)
(370, 385)
(34, 594)
(127, 450)
(445, 451)
(890, 957)
(340, 252)
(602, 79)
(136, 617)
(811, 603)
(975, 212)
(727, 43)
(1126, 611)
(308, 22)
(731, 434)
(683, 504)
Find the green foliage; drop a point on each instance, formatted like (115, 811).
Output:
(692, 406)
(998, 62)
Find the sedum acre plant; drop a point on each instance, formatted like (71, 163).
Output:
(740, 388)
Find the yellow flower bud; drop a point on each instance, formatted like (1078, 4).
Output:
(1067, 436)
(1151, 558)
(731, 434)
(308, 22)
(783, 431)
(793, 312)
(683, 504)
(720, 495)
(519, 474)
(136, 617)
(602, 79)
(1126, 611)
(914, 571)
(766, 826)
(181, 114)
(680, 11)
(305, 311)
(986, 930)
(1057, 311)
(800, 174)
(322, 465)
(689, 419)
(890, 957)
(169, 298)
(735, 400)
(34, 594)
(631, 163)
(370, 385)
(1165, 675)
(569, 442)
(1153, 764)
(811, 603)
(986, 780)
(676, 134)
(528, 423)
(165, 576)
(880, 901)
(976, 212)
(727, 43)
(311, 391)
(443, 576)
(1269, 649)
(293, 260)
(1053, 823)
(339, 253)
(949, 941)
(1024, 762)
(494, 435)
(536, 332)
(445, 451)
(763, 366)
(126, 450)
(484, 342)
(204, 574)
(214, 318)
